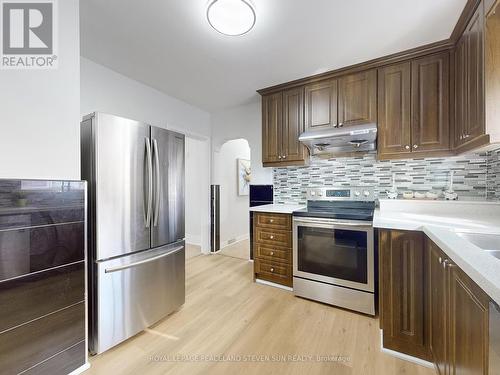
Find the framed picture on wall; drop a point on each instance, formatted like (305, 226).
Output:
(244, 176)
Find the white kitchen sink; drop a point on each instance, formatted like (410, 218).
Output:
(487, 242)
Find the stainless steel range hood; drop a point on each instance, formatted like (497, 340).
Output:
(354, 138)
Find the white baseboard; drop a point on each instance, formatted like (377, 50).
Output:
(243, 237)
(403, 356)
(81, 369)
(269, 283)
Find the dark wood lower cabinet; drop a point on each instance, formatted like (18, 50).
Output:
(436, 292)
(402, 292)
(272, 247)
(468, 324)
(429, 307)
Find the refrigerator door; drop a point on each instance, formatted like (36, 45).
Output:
(136, 291)
(123, 185)
(168, 203)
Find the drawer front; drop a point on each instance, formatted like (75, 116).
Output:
(275, 221)
(61, 364)
(273, 253)
(276, 272)
(273, 237)
(27, 298)
(34, 342)
(26, 251)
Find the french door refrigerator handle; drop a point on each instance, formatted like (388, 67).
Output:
(149, 260)
(147, 218)
(158, 185)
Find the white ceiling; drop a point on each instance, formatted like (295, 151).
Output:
(169, 45)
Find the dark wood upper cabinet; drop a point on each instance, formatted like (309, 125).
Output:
(357, 98)
(402, 292)
(282, 123)
(460, 105)
(436, 294)
(321, 105)
(468, 324)
(470, 127)
(430, 103)
(293, 125)
(475, 72)
(271, 127)
(394, 126)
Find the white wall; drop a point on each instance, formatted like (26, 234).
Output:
(234, 217)
(40, 126)
(105, 90)
(242, 122)
(197, 193)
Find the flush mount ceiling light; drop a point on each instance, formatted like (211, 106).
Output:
(231, 17)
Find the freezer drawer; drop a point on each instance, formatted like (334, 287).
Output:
(135, 292)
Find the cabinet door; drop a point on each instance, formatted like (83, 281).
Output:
(394, 131)
(358, 98)
(430, 103)
(436, 293)
(402, 292)
(460, 91)
(468, 325)
(475, 81)
(271, 127)
(293, 125)
(321, 105)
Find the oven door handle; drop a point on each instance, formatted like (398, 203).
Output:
(334, 222)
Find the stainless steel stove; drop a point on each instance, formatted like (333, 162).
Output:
(334, 250)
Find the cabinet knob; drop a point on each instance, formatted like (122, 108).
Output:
(271, 237)
(271, 220)
(284, 156)
(341, 124)
(272, 269)
(407, 147)
(279, 157)
(440, 260)
(466, 136)
(272, 253)
(445, 262)
(415, 146)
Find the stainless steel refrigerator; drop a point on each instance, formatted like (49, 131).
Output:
(135, 175)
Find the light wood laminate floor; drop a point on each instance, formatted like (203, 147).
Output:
(227, 314)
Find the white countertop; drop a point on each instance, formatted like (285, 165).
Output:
(441, 221)
(277, 208)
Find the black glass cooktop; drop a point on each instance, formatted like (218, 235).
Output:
(347, 210)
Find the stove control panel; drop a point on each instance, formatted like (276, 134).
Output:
(358, 193)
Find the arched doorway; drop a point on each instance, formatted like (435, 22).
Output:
(232, 171)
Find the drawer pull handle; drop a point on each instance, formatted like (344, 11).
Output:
(272, 269)
(272, 252)
(271, 237)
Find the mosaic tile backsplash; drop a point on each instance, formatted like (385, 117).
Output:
(476, 176)
(493, 175)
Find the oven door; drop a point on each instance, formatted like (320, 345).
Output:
(337, 252)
